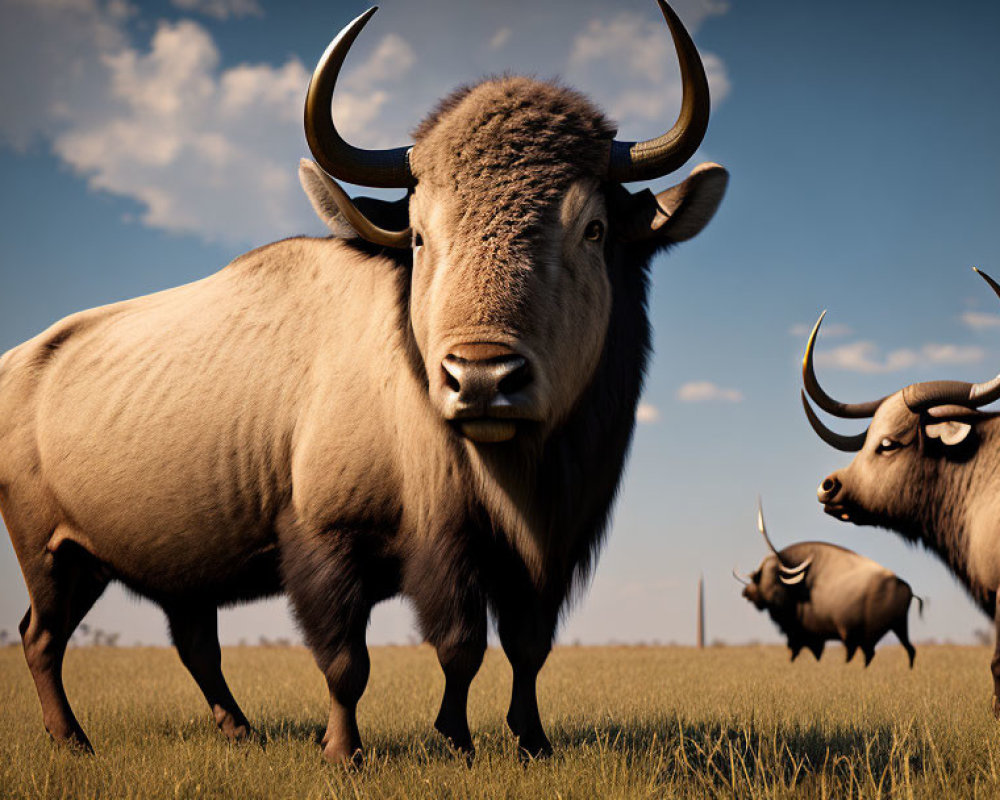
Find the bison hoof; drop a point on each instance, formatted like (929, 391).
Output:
(77, 742)
(533, 748)
(345, 755)
(458, 737)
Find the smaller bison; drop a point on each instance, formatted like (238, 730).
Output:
(816, 592)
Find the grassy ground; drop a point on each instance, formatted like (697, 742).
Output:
(625, 722)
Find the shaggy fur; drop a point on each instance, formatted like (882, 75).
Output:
(843, 597)
(278, 425)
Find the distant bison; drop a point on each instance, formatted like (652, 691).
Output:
(926, 467)
(817, 592)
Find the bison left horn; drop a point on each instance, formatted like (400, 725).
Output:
(785, 568)
(921, 396)
(384, 168)
(740, 578)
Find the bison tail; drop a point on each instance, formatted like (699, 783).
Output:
(920, 604)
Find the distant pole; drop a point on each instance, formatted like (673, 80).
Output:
(701, 612)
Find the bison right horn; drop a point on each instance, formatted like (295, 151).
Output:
(640, 161)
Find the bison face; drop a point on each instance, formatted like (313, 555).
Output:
(918, 450)
(510, 323)
(907, 459)
(766, 590)
(510, 227)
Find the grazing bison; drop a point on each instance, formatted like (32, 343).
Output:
(925, 468)
(436, 402)
(818, 592)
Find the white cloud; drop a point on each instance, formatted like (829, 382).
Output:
(647, 414)
(630, 65)
(980, 320)
(707, 392)
(203, 150)
(865, 356)
(221, 9)
(500, 38)
(801, 330)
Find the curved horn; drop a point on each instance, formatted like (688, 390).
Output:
(789, 571)
(763, 530)
(740, 578)
(821, 398)
(386, 168)
(640, 161)
(791, 581)
(921, 396)
(849, 444)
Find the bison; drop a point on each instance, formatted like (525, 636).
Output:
(435, 402)
(817, 592)
(925, 468)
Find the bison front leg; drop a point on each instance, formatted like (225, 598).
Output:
(526, 632)
(334, 580)
(451, 609)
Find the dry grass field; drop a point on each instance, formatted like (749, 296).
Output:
(625, 722)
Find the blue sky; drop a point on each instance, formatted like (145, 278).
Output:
(146, 144)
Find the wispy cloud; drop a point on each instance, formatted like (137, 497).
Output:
(221, 9)
(500, 38)
(707, 392)
(631, 66)
(203, 150)
(866, 356)
(980, 320)
(801, 330)
(647, 414)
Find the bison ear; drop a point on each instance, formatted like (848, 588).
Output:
(675, 214)
(950, 432)
(346, 217)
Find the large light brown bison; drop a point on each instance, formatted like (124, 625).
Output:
(926, 467)
(436, 402)
(816, 592)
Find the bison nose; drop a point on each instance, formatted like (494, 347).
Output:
(473, 384)
(828, 489)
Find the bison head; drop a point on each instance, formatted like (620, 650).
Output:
(515, 219)
(913, 454)
(773, 585)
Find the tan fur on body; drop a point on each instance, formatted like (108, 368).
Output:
(289, 423)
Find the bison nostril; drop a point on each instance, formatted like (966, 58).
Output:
(827, 485)
(517, 378)
(449, 379)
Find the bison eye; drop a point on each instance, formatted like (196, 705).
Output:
(418, 240)
(887, 445)
(594, 232)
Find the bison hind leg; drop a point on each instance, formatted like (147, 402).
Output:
(851, 648)
(902, 633)
(63, 587)
(817, 648)
(869, 651)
